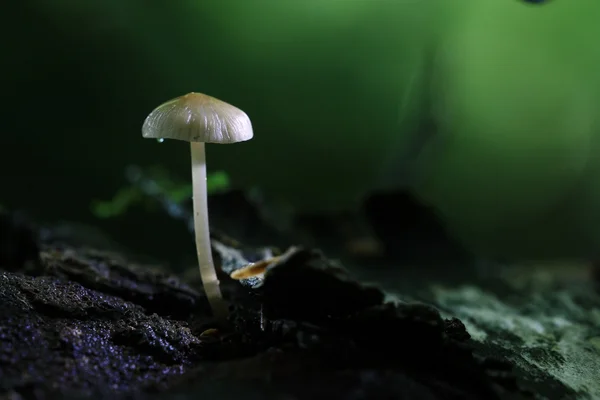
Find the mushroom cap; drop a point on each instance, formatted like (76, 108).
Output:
(196, 117)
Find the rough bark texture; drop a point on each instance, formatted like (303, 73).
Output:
(78, 322)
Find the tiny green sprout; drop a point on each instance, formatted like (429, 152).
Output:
(118, 205)
(176, 192)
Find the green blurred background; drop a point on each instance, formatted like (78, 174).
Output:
(320, 81)
(337, 91)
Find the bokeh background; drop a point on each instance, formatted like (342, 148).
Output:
(79, 78)
(336, 91)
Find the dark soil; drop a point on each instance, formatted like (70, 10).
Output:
(79, 322)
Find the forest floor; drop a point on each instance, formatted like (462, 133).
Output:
(78, 321)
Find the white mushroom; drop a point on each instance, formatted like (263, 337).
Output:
(198, 119)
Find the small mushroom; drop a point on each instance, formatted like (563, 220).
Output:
(198, 119)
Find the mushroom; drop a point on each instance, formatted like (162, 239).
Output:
(198, 119)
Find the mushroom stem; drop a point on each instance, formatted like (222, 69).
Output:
(208, 272)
